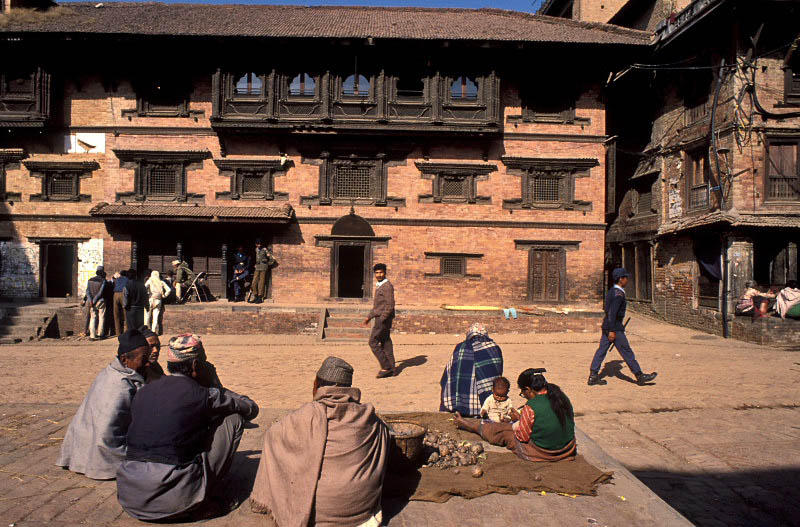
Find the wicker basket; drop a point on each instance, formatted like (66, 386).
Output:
(407, 449)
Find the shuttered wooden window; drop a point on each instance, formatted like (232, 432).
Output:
(783, 179)
(546, 275)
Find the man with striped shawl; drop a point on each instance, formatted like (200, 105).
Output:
(468, 376)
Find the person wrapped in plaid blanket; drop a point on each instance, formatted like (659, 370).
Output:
(468, 377)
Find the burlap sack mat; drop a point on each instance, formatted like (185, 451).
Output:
(504, 472)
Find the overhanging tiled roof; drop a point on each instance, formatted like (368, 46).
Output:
(397, 23)
(197, 213)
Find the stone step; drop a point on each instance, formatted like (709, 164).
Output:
(350, 340)
(353, 333)
(342, 322)
(18, 331)
(347, 312)
(12, 320)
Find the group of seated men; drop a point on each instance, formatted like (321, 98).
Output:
(170, 439)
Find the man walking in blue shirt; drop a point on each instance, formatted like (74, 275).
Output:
(614, 333)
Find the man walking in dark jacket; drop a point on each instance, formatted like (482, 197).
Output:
(135, 300)
(614, 332)
(380, 339)
(120, 280)
(95, 290)
(182, 437)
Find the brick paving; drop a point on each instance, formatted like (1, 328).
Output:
(717, 437)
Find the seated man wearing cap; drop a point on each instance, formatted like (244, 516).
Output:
(182, 437)
(153, 371)
(324, 463)
(95, 440)
(183, 279)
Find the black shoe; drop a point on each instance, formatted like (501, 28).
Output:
(258, 300)
(595, 380)
(644, 378)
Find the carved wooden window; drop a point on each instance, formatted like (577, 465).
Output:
(302, 85)
(546, 274)
(783, 176)
(352, 182)
(61, 181)
(697, 172)
(792, 79)
(464, 88)
(160, 175)
(163, 96)
(452, 265)
(454, 182)
(548, 183)
(409, 86)
(24, 95)
(356, 86)
(251, 179)
(16, 84)
(249, 85)
(454, 187)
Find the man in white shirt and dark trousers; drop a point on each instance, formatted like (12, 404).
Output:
(380, 339)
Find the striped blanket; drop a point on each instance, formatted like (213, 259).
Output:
(468, 376)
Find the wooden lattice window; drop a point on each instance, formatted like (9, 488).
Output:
(546, 274)
(162, 181)
(351, 182)
(252, 183)
(697, 176)
(464, 88)
(452, 265)
(62, 185)
(545, 188)
(783, 177)
(61, 181)
(249, 85)
(454, 187)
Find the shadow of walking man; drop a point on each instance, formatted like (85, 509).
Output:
(613, 368)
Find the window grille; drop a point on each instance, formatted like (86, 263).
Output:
(645, 202)
(62, 185)
(162, 181)
(783, 180)
(453, 265)
(453, 187)
(698, 197)
(352, 182)
(545, 189)
(302, 85)
(252, 183)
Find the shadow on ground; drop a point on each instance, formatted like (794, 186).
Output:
(419, 360)
(613, 368)
(744, 498)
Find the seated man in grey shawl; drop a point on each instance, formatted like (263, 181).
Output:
(95, 440)
(182, 437)
(324, 463)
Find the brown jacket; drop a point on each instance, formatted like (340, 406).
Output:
(383, 304)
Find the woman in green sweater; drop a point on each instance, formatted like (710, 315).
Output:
(545, 428)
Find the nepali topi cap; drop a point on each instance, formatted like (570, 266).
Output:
(185, 347)
(131, 340)
(618, 273)
(337, 371)
(147, 332)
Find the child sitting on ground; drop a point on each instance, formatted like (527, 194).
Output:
(498, 407)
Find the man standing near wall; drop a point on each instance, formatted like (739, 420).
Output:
(97, 304)
(380, 339)
(614, 333)
(264, 262)
(135, 299)
(120, 280)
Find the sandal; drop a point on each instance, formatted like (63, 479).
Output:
(384, 373)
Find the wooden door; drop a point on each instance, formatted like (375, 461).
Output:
(545, 275)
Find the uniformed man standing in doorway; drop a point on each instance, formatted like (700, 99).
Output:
(614, 332)
(264, 262)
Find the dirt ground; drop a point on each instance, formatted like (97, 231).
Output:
(717, 435)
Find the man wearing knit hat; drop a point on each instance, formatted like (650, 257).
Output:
(324, 463)
(95, 440)
(182, 437)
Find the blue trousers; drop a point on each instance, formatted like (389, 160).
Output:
(624, 349)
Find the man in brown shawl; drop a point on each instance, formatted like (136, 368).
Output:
(324, 463)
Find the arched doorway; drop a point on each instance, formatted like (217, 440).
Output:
(351, 242)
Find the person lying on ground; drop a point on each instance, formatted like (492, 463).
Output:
(95, 444)
(324, 463)
(467, 379)
(546, 427)
(182, 437)
(498, 408)
(762, 302)
(153, 371)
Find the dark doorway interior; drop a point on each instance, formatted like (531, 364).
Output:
(58, 269)
(351, 271)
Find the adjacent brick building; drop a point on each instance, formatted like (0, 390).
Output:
(707, 188)
(466, 149)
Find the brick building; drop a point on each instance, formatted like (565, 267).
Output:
(465, 149)
(707, 186)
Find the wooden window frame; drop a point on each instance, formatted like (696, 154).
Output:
(769, 167)
(791, 85)
(470, 173)
(287, 84)
(145, 94)
(30, 109)
(235, 170)
(233, 80)
(693, 186)
(647, 181)
(470, 101)
(377, 164)
(143, 161)
(48, 170)
(461, 257)
(9, 159)
(566, 170)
